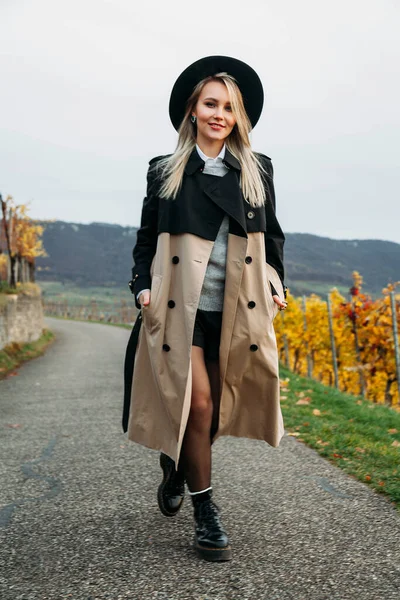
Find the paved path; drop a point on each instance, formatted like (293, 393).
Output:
(79, 519)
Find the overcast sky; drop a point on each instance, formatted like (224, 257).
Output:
(85, 87)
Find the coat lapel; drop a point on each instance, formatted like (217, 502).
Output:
(226, 193)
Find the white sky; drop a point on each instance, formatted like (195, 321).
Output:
(85, 87)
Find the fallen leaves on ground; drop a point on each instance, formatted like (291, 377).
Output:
(305, 400)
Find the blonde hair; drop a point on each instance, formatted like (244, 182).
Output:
(238, 143)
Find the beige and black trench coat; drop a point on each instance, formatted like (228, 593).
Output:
(173, 247)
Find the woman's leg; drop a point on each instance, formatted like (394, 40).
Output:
(211, 540)
(213, 375)
(196, 447)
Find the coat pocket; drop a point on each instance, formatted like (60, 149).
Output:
(151, 311)
(273, 277)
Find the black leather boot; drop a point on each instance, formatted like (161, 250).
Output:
(211, 541)
(171, 490)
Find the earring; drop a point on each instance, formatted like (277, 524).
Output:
(193, 118)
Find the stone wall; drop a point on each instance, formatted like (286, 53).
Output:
(21, 318)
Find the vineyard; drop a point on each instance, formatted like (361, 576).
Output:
(352, 345)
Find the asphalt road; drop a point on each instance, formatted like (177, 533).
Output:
(79, 517)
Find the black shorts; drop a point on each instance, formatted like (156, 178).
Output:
(207, 332)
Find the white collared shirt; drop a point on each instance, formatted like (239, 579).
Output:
(213, 166)
(217, 159)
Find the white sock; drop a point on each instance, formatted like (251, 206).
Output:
(201, 491)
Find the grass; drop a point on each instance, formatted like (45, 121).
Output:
(360, 437)
(13, 355)
(27, 289)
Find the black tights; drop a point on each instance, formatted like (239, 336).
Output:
(195, 461)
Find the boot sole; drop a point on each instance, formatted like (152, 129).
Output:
(213, 554)
(167, 472)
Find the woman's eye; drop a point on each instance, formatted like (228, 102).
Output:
(211, 104)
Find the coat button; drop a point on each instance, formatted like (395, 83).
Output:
(251, 214)
(171, 304)
(175, 260)
(248, 259)
(251, 304)
(253, 347)
(166, 348)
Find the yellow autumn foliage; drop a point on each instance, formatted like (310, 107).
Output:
(3, 267)
(28, 234)
(303, 336)
(24, 233)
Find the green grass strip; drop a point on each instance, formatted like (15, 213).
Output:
(13, 355)
(360, 437)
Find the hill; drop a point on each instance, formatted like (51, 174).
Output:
(101, 254)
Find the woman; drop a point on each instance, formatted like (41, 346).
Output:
(208, 279)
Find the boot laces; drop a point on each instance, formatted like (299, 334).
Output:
(209, 514)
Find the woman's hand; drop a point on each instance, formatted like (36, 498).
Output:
(282, 304)
(144, 298)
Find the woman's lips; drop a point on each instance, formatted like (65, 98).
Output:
(216, 127)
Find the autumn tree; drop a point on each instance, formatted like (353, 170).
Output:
(29, 244)
(21, 237)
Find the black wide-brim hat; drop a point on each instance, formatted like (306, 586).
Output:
(247, 80)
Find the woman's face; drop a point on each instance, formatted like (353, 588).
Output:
(215, 120)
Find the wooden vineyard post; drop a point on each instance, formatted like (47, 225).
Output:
(285, 344)
(396, 341)
(357, 348)
(309, 362)
(333, 344)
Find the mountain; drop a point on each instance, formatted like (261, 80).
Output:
(101, 254)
